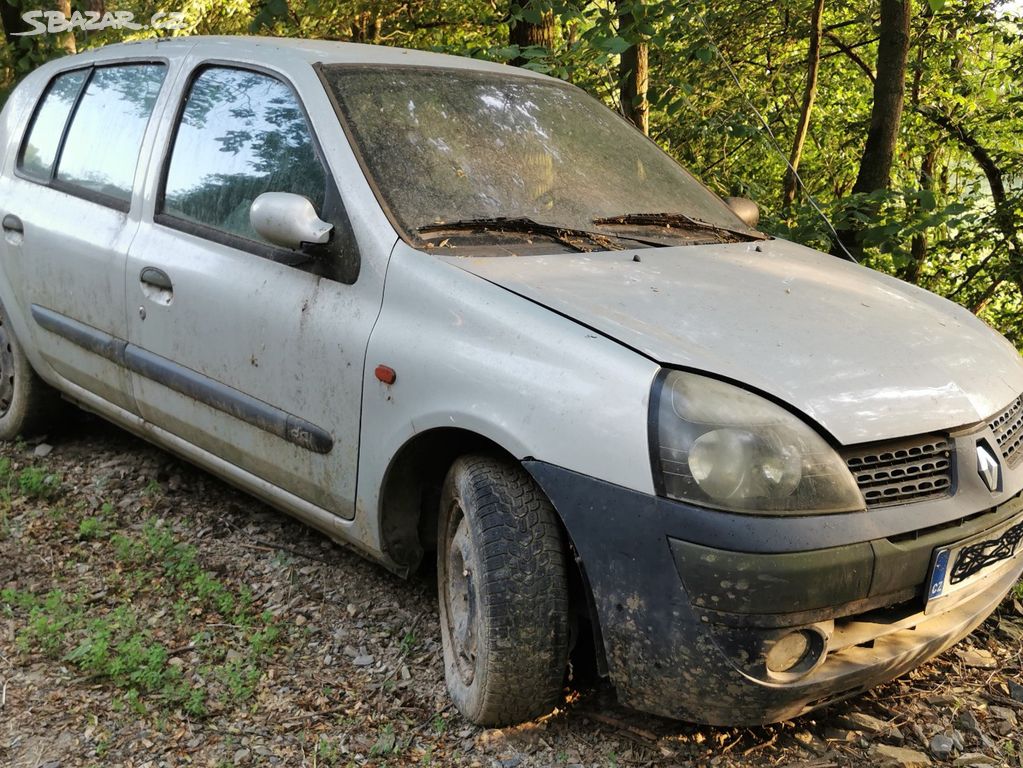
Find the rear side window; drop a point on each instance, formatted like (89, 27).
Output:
(39, 152)
(103, 143)
(97, 153)
(241, 134)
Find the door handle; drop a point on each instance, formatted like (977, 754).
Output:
(13, 224)
(156, 278)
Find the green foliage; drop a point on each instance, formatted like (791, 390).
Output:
(92, 528)
(327, 752)
(35, 483)
(940, 225)
(119, 644)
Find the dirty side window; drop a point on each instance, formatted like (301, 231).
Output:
(102, 148)
(241, 134)
(39, 152)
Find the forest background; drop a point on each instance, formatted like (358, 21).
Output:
(901, 120)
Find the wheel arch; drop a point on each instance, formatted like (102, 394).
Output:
(410, 491)
(410, 500)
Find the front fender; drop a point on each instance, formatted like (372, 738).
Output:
(473, 356)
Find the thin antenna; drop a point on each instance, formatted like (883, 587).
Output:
(773, 139)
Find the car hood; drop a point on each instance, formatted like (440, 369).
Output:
(866, 356)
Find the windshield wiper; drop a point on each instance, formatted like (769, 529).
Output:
(528, 226)
(680, 220)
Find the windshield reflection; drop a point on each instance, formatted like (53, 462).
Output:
(458, 145)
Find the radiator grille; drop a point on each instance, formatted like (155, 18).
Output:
(1008, 429)
(904, 471)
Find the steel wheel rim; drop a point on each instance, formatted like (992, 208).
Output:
(6, 370)
(461, 597)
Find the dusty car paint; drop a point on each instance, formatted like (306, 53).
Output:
(266, 375)
(899, 360)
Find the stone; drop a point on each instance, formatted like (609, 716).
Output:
(839, 734)
(860, 721)
(1015, 690)
(941, 746)
(43, 450)
(978, 658)
(975, 758)
(1002, 728)
(363, 661)
(968, 721)
(1002, 713)
(898, 757)
(242, 756)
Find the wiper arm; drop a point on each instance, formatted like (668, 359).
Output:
(680, 220)
(526, 225)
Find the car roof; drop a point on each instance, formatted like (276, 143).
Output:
(283, 50)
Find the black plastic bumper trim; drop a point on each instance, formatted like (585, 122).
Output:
(187, 382)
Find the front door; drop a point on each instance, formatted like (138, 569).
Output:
(249, 352)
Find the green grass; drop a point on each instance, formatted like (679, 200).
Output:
(116, 641)
(34, 483)
(92, 528)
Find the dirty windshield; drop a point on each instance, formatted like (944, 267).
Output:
(449, 149)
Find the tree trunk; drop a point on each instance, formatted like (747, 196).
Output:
(813, 63)
(66, 41)
(10, 17)
(526, 35)
(918, 248)
(889, 94)
(634, 73)
(875, 170)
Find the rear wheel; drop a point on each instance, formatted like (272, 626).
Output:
(27, 405)
(503, 588)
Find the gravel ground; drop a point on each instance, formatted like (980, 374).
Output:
(153, 616)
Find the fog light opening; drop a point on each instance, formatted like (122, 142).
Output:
(796, 653)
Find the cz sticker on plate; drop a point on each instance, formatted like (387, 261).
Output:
(959, 565)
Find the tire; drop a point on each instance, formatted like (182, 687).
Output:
(503, 592)
(28, 405)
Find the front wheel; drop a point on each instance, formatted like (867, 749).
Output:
(503, 588)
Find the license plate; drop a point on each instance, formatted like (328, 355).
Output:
(961, 565)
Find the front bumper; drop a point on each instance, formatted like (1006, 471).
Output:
(688, 600)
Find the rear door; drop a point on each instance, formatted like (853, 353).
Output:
(68, 219)
(249, 352)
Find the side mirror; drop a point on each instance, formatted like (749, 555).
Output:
(745, 209)
(288, 220)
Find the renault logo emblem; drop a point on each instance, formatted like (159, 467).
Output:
(989, 469)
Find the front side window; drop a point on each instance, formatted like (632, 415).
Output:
(102, 147)
(241, 134)
(39, 152)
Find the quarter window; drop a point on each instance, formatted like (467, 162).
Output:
(102, 147)
(40, 150)
(241, 134)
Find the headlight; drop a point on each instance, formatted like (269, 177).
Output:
(720, 446)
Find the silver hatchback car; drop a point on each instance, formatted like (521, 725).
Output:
(435, 305)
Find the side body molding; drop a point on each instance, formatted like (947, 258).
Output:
(188, 382)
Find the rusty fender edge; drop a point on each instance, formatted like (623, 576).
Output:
(669, 655)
